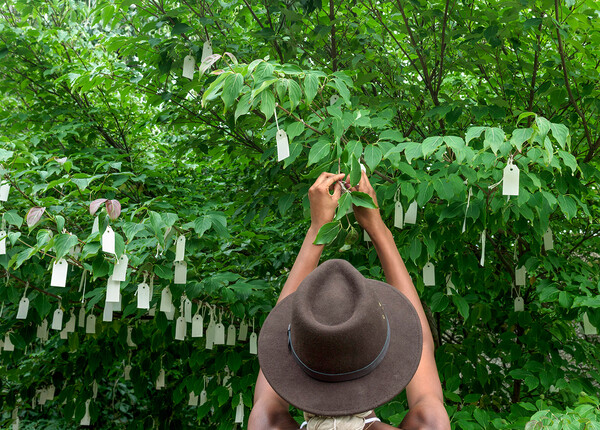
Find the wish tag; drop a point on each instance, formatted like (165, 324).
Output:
(143, 296)
(210, 335)
(411, 214)
(548, 240)
(449, 285)
(90, 324)
(520, 276)
(8, 345)
(81, 319)
(4, 190)
(231, 335)
(334, 98)
(160, 381)
(253, 343)
(2, 242)
(203, 397)
(239, 411)
(588, 328)
(193, 401)
(70, 325)
(108, 241)
(59, 273)
(113, 290)
(519, 304)
(96, 226)
(166, 301)
(63, 334)
(57, 319)
(129, 339)
(127, 373)
(180, 328)
(219, 334)
(243, 334)
(206, 50)
(180, 272)
(85, 421)
(510, 180)
(118, 305)
(429, 274)
(187, 310)
(42, 330)
(482, 261)
(197, 326)
(120, 271)
(398, 215)
(180, 248)
(107, 315)
(283, 145)
(188, 67)
(23, 308)
(170, 315)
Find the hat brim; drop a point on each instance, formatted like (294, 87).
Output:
(386, 381)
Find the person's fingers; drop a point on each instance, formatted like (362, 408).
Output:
(337, 190)
(330, 180)
(322, 177)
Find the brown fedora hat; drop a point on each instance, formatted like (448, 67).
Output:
(341, 344)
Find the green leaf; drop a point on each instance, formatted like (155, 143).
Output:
(372, 155)
(295, 93)
(519, 136)
(543, 125)
(362, 199)
(180, 28)
(494, 137)
(63, 243)
(231, 88)
(318, 151)
(131, 229)
(285, 203)
(13, 218)
(327, 233)
(473, 133)
(413, 150)
(163, 271)
(560, 133)
(344, 204)
(355, 171)
(311, 86)
(343, 90)
(267, 104)
(569, 160)
(431, 144)
(568, 206)
(462, 305)
(202, 224)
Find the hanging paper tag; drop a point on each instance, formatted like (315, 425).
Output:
(42, 330)
(519, 304)
(15, 418)
(127, 373)
(187, 310)
(96, 226)
(334, 98)
(219, 334)
(469, 195)
(180, 248)
(120, 271)
(188, 67)
(411, 214)
(203, 397)
(113, 290)
(2, 242)
(85, 421)
(510, 180)
(193, 401)
(4, 190)
(166, 301)
(398, 215)
(129, 339)
(548, 240)
(180, 328)
(117, 305)
(143, 296)
(23, 308)
(449, 285)
(160, 381)
(197, 327)
(482, 261)
(70, 325)
(239, 411)
(429, 274)
(210, 334)
(59, 273)
(63, 334)
(588, 328)
(81, 319)
(206, 50)
(253, 343)
(231, 335)
(243, 334)
(90, 324)
(107, 315)
(57, 319)
(8, 345)
(108, 241)
(283, 146)
(180, 272)
(520, 276)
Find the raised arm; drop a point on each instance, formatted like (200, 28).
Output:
(424, 392)
(270, 411)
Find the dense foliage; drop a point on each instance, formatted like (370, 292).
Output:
(435, 98)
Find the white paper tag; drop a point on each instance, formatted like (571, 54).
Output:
(219, 334)
(188, 67)
(334, 98)
(57, 319)
(180, 273)
(160, 381)
(8, 345)
(588, 328)
(96, 226)
(253, 343)
(4, 190)
(411, 214)
(180, 328)
(483, 237)
(510, 180)
(90, 324)
(120, 271)
(520, 276)
(129, 339)
(23, 308)
(197, 326)
(193, 401)
(243, 334)
(117, 305)
(203, 397)
(108, 241)
(170, 315)
(15, 418)
(81, 319)
(239, 411)
(450, 288)
(519, 304)
(187, 310)
(180, 248)
(59, 273)
(429, 274)
(107, 315)
(231, 335)
(166, 301)
(70, 325)
(210, 334)
(50, 392)
(2, 242)
(127, 373)
(283, 146)
(63, 334)
(113, 290)
(85, 421)
(398, 215)
(206, 50)
(548, 240)
(143, 296)
(42, 331)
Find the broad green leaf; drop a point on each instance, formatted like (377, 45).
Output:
(231, 88)
(327, 233)
(362, 199)
(519, 136)
(318, 151)
(543, 125)
(267, 104)
(311, 86)
(63, 243)
(343, 89)
(12, 217)
(473, 133)
(180, 28)
(569, 160)
(285, 203)
(560, 133)
(431, 144)
(413, 150)
(344, 204)
(461, 304)
(372, 155)
(494, 137)
(567, 205)
(295, 93)
(355, 171)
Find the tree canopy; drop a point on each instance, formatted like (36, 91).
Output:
(161, 151)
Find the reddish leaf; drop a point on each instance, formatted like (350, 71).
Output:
(95, 205)
(34, 215)
(113, 207)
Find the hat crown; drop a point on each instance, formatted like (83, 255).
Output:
(337, 325)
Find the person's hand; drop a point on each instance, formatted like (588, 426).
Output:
(369, 219)
(322, 202)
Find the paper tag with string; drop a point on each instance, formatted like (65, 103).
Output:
(519, 304)
(107, 314)
(334, 98)
(398, 211)
(220, 331)
(206, 50)
(70, 325)
(180, 273)
(283, 146)
(108, 240)
(210, 332)
(90, 324)
(243, 333)
(113, 290)
(42, 330)
(193, 401)
(410, 217)
(120, 270)
(429, 274)
(189, 63)
(86, 420)
(198, 324)
(180, 248)
(187, 309)
(3, 242)
(510, 179)
(59, 273)
(253, 340)
(588, 327)
(483, 237)
(239, 411)
(180, 324)
(203, 395)
(57, 319)
(548, 240)
(143, 295)
(166, 301)
(520, 276)
(23, 305)
(4, 190)
(160, 380)
(469, 195)
(231, 334)
(130, 342)
(127, 372)
(8, 345)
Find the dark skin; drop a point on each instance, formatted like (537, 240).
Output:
(424, 392)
